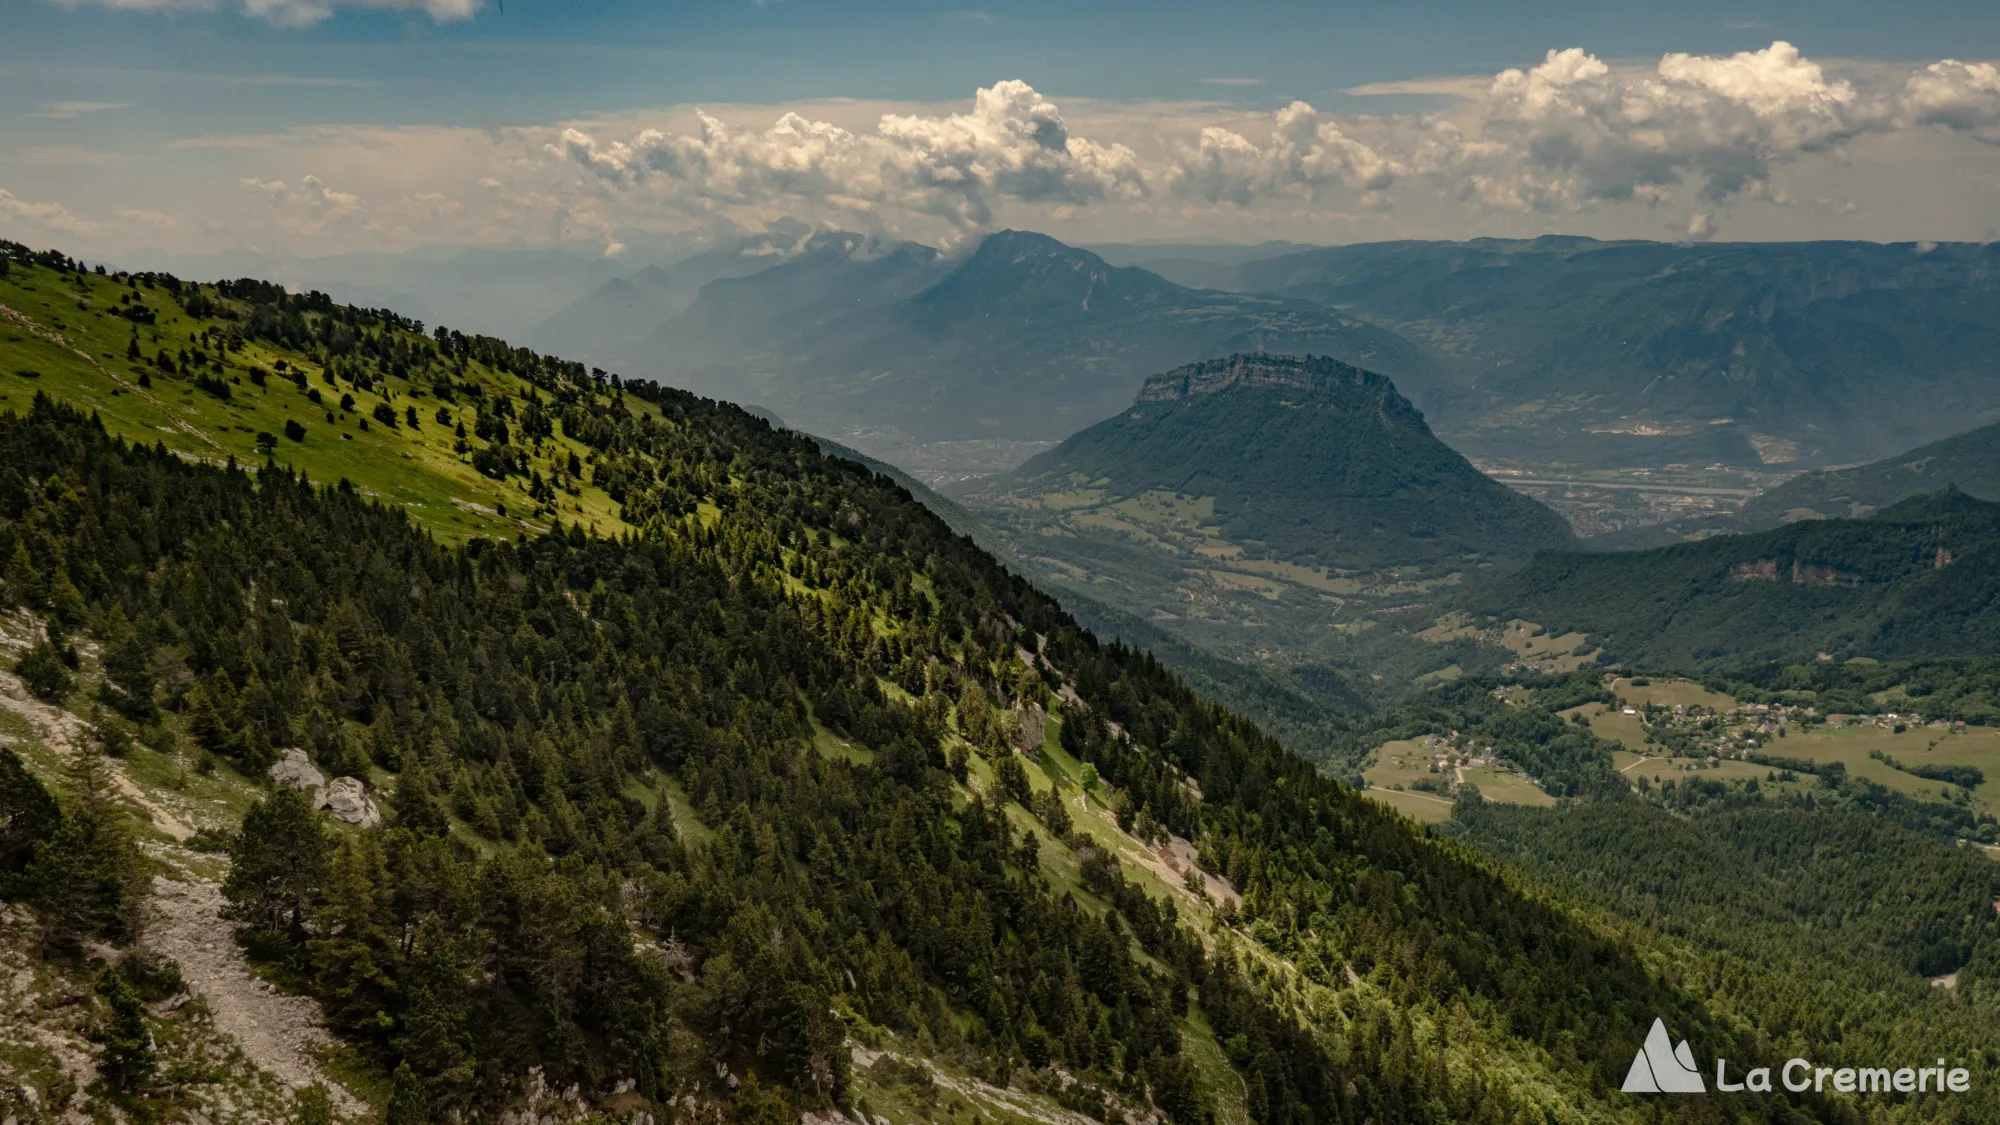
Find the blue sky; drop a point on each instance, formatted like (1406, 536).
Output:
(545, 60)
(105, 104)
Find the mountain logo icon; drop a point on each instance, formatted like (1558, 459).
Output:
(1662, 1068)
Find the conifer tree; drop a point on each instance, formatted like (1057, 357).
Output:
(85, 879)
(126, 1059)
(278, 864)
(43, 670)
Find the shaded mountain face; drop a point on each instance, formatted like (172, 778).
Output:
(1309, 458)
(1918, 579)
(1651, 353)
(1970, 461)
(1026, 338)
(1197, 265)
(784, 307)
(610, 326)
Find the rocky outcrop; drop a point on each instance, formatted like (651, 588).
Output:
(294, 770)
(345, 798)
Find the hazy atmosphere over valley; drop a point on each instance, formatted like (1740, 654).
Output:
(853, 562)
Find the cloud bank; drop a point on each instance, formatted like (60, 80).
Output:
(1570, 134)
(1689, 146)
(1012, 146)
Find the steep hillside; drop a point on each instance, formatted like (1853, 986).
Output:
(1568, 349)
(1320, 728)
(1314, 460)
(1970, 461)
(1917, 579)
(784, 799)
(1025, 338)
(447, 426)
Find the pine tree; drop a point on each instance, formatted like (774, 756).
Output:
(43, 670)
(407, 1103)
(126, 1061)
(351, 946)
(29, 816)
(21, 583)
(278, 863)
(85, 879)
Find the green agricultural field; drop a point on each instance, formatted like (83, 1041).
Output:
(1668, 692)
(1507, 787)
(1614, 724)
(1851, 746)
(1423, 807)
(1405, 762)
(1660, 769)
(1397, 766)
(1553, 654)
(192, 383)
(1400, 763)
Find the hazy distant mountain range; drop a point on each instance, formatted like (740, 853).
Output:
(1025, 338)
(487, 289)
(1557, 350)
(1563, 355)
(1646, 352)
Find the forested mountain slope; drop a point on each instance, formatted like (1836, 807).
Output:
(1316, 460)
(1917, 579)
(1575, 350)
(699, 818)
(1970, 461)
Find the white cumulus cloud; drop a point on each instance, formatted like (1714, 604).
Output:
(1306, 155)
(1960, 96)
(1574, 131)
(957, 167)
(311, 208)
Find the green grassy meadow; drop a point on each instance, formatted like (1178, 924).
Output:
(72, 336)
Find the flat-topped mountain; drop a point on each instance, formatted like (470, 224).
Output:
(1308, 458)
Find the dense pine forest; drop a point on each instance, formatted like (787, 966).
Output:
(684, 815)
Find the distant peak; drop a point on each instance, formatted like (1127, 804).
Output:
(1027, 243)
(1258, 370)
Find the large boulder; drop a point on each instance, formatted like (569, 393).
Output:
(346, 798)
(294, 770)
